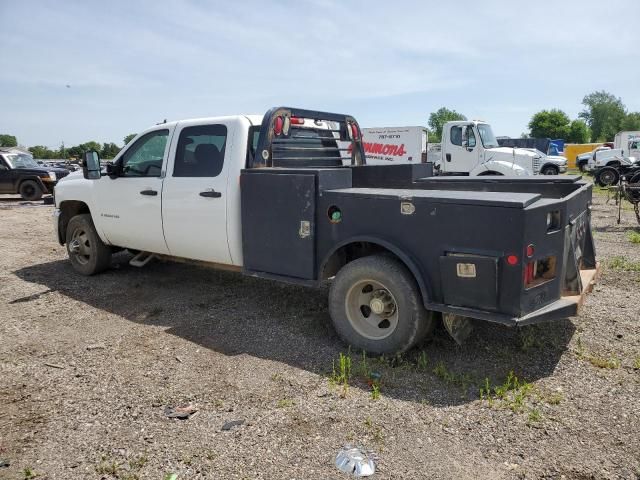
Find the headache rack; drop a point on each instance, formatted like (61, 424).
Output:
(293, 137)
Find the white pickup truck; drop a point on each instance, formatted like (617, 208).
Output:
(269, 196)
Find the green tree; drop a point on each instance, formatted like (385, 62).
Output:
(604, 114)
(631, 121)
(109, 150)
(552, 123)
(579, 132)
(8, 140)
(437, 121)
(129, 137)
(40, 151)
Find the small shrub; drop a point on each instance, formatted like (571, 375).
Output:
(634, 236)
(610, 363)
(623, 264)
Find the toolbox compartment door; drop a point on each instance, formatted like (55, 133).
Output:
(469, 280)
(278, 224)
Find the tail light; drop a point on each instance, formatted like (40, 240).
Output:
(277, 125)
(355, 133)
(297, 121)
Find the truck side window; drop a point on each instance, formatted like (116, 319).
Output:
(200, 151)
(471, 137)
(144, 157)
(456, 136)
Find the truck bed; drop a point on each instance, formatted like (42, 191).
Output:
(433, 225)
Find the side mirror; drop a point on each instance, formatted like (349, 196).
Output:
(91, 165)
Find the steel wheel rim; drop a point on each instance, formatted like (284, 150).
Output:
(371, 309)
(80, 246)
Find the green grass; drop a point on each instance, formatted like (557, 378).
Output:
(535, 416)
(443, 373)
(342, 373)
(511, 394)
(28, 473)
(623, 264)
(634, 236)
(636, 363)
(285, 403)
(610, 363)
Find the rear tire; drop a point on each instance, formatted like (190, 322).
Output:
(30, 191)
(87, 253)
(376, 306)
(607, 176)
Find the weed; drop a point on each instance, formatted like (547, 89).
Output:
(529, 339)
(553, 398)
(634, 236)
(342, 374)
(443, 373)
(535, 415)
(28, 473)
(363, 366)
(276, 377)
(375, 391)
(285, 403)
(636, 363)
(138, 462)
(623, 264)
(423, 361)
(610, 363)
(107, 468)
(512, 393)
(367, 422)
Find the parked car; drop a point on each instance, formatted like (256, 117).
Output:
(20, 173)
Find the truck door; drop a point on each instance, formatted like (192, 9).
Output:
(127, 208)
(462, 150)
(6, 178)
(194, 199)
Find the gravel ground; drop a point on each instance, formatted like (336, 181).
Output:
(89, 365)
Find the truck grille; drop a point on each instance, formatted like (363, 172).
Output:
(536, 165)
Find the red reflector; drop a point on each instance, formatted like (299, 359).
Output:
(528, 273)
(512, 259)
(277, 126)
(354, 131)
(530, 251)
(297, 121)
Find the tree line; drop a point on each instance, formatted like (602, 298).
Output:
(107, 150)
(603, 116)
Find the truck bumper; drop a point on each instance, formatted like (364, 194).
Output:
(564, 307)
(563, 168)
(55, 218)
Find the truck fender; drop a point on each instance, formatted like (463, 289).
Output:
(379, 246)
(35, 178)
(501, 167)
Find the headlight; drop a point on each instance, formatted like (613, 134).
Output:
(52, 176)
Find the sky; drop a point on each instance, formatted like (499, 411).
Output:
(76, 71)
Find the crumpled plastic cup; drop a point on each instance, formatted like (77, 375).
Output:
(355, 461)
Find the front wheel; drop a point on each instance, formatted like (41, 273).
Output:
(550, 170)
(30, 191)
(607, 176)
(86, 251)
(376, 306)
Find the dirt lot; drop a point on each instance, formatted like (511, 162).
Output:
(88, 366)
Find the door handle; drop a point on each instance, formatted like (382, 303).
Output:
(211, 193)
(153, 193)
(448, 157)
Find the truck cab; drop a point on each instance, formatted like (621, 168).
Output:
(471, 148)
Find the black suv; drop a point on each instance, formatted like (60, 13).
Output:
(20, 173)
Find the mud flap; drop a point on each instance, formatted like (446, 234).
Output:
(459, 327)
